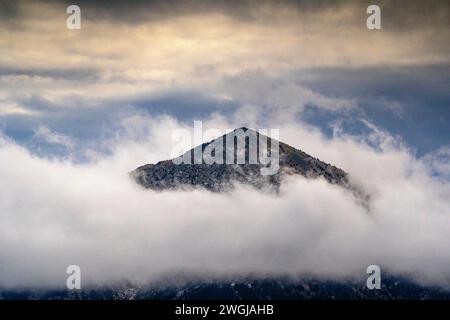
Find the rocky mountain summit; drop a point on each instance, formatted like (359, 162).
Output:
(243, 156)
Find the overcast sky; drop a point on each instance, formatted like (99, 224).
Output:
(189, 59)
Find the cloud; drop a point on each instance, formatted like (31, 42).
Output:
(184, 45)
(188, 60)
(278, 94)
(439, 162)
(51, 137)
(54, 213)
(8, 109)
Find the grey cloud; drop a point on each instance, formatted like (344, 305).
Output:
(396, 13)
(56, 74)
(412, 102)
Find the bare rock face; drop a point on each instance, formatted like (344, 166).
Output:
(241, 162)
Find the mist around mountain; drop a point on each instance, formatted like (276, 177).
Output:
(185, 173)
(270, 240)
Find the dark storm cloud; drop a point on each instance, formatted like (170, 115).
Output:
(9, 10)
(419, 84)
(413, 102)
(407, 15)
(397, 14)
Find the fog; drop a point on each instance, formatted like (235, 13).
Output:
(55, 213)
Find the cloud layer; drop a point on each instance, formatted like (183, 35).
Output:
(54, 214)
(153, 47)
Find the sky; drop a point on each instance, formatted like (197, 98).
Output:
(81, 108)
(189, 59)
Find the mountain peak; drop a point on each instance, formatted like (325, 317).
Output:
(239, 164)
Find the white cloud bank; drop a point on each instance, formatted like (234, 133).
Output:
(54, 214)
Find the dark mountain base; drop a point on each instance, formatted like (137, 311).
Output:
(391, 289)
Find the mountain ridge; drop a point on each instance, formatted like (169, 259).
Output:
(219, 177)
